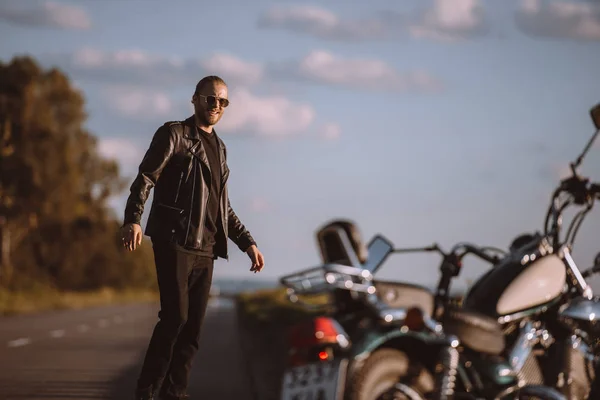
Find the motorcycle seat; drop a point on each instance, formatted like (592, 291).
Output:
(476, 331)
(402, 295)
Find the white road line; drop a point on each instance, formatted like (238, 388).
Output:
(83, 328)
(57, 333)
(103, 323)
(19, 342)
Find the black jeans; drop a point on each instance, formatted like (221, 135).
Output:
(184, 282)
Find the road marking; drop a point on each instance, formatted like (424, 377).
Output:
(83, 328)
(57, 333)
(19, 342)
(103, 323)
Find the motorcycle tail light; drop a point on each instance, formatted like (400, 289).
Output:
(320, 330)
(315, 340)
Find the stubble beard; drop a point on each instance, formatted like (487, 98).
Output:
(206, 119)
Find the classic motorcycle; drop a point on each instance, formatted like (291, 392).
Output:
(326, 352)
(464, 350)
(369, 345)
(534, 308)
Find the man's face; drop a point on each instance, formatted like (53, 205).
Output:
(210, 102)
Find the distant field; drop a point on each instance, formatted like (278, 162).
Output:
(46, 299)
(273, 306)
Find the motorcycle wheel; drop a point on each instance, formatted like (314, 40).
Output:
(537, 392)
(381, 371)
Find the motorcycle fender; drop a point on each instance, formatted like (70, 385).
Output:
(498, 372)
(377, 339)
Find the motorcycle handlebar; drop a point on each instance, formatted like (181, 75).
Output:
(580, 188)
(468, 248)
(595, 190)
(581, 192)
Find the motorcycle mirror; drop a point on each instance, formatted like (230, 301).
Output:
(595, 114)
(379, 248)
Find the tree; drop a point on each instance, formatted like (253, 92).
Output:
(54, 186)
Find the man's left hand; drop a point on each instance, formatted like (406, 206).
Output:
(258, 261)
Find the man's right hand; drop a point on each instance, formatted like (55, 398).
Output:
(131, 234)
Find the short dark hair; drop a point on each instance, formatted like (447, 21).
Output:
(209, 79)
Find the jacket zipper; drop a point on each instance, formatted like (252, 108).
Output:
(223, 214)
(201, 228)
(178, 187)
(187, 234)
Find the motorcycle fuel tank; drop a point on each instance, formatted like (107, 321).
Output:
(540, 282)
(512, 287)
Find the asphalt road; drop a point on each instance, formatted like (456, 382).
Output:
(96, 354)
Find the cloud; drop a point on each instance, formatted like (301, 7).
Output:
(360, 73)
(47, 15)
(450, 20)
(138, 102)
(559, 19)
(322, 23)
(274, 116)
(266, 115)
(137, 67)
(123, 150)
(443, 20)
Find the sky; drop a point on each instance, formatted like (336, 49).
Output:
(422, 120)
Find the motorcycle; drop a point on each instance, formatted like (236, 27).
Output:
(369, 345)
(325, 352)
(533, 311)
(465, 351)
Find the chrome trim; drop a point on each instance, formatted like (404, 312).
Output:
(504, 371)
(408, 391)
(522, 314)
(392, 315)
(581, 309)
(529, 336)
(522, 347)
(584, 288)
(578, 344)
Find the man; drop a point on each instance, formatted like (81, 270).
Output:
(189, 223)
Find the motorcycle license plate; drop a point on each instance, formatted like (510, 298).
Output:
(317, 381)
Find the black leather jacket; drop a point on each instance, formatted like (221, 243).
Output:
(172, 167)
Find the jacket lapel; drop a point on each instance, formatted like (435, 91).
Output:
(197, 148)
(223, 160)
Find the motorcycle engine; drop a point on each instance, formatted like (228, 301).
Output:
(578, 370)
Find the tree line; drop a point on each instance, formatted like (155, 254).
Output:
(56, 227)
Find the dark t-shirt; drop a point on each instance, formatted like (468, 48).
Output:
(211, 146)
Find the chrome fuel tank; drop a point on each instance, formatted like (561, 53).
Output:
(581, 313)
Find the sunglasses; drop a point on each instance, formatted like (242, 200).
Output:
(213, 101)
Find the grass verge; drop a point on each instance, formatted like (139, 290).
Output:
(273, 306)
(46, 299)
